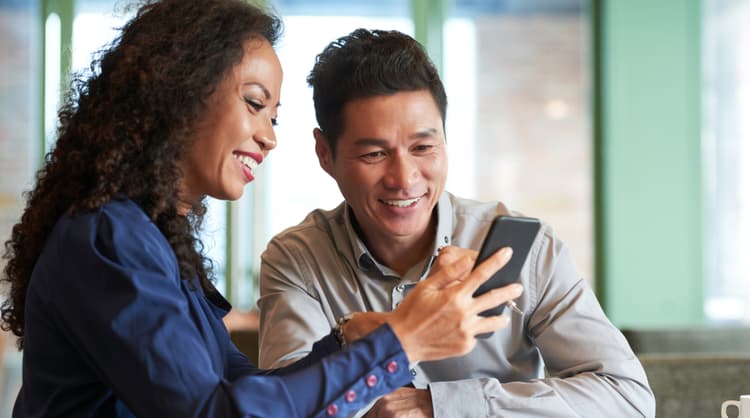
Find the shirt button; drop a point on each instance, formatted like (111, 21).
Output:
(392, 366)
(351, 396)
(400, 288)
(413, 372)
(332, 410)
(371, 380)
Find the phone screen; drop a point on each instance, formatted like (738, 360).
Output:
(507, 231)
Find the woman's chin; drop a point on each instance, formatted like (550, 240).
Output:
(234, 194)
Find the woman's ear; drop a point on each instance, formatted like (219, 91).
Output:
(323, 150)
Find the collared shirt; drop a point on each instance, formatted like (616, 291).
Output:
(112, 330)
(561, 358)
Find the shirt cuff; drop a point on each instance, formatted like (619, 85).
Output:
(463, 398)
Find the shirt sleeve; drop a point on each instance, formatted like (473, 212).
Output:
(291, 318)
(239, 365)
(592, 372)
(125, 309)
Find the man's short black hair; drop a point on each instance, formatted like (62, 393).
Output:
(369, 63)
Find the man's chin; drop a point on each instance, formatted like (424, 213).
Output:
(404, 231)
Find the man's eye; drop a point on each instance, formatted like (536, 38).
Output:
(274, 122)
(373, 156)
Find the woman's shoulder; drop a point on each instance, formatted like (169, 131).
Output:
(123, 226)
(124, 209)
(116, 241)
(122, 220)
(119, 230)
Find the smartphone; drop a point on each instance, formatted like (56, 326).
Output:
(506, 231)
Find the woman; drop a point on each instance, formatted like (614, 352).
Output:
(110, 295)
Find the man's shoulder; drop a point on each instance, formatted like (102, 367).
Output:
(472, 218)
(317, 227)
(483, 211)
(318, 243)
(478, 210)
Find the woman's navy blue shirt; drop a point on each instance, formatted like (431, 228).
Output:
(112, 330)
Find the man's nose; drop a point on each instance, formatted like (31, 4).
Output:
(402, 172)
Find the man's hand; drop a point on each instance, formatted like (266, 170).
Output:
(440, 318)
(404, 403)
(449, 255)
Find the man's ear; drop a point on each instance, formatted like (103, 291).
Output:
(325, 156)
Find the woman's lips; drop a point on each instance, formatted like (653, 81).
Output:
(249, 162)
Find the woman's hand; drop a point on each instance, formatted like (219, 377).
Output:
(440, 317)
(361, 324)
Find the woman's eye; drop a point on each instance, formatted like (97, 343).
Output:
(255, 105)
(274, 122)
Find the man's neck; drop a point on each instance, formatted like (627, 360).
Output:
(398, 254)
(402, 256)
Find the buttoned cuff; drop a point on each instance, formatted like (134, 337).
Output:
(381, 380)
(463, 398)
(383, 377)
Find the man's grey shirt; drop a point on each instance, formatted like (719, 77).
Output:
(561, 358)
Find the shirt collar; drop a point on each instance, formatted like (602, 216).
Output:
(359, 250)
(365, 261)
(444, 232)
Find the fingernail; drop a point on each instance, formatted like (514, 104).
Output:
(516, 290)
(507, 253)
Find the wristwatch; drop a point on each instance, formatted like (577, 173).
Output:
(338, 329)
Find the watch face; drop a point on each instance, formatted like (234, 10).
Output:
(338, 331)
(339, 335)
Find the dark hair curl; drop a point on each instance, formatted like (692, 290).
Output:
(367, 63)
(123, 129)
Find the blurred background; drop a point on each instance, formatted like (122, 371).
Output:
(618, 122)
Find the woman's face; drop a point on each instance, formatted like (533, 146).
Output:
(235, 132)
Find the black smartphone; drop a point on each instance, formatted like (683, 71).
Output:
(506, 231)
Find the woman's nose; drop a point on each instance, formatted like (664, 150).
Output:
(266, 137)
(266, 142)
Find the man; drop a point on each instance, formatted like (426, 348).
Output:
(381, 110)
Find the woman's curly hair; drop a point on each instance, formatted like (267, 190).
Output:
(123, 129)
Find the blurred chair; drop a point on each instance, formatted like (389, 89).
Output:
(243, 330)
(246, 341)
(689, 340)
(693, 370)
(695, 385)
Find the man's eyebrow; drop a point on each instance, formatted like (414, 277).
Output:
(424, 133)
(366, 142)
(378, 142)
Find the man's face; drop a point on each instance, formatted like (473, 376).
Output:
(390, 164)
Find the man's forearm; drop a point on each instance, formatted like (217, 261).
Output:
(583, 395)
